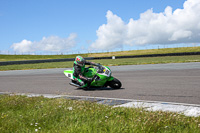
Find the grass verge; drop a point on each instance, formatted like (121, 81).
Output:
(39, 114)
(146, 52)
(36, 57)
(108, 62)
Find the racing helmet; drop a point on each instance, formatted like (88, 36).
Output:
(80, 60)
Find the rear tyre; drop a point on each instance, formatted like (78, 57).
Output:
(115, 84)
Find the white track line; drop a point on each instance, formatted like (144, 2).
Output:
(186, 109)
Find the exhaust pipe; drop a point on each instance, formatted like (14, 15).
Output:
(73, 84)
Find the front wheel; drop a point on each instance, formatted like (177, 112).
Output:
(115, 83)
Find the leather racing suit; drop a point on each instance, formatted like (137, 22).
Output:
(78, 72)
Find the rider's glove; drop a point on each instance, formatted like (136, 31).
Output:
(99, 65)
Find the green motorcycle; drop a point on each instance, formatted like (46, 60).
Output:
(101, 77)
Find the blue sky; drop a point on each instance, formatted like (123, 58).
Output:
(28, 26)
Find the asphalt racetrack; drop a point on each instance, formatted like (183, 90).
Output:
(177, 82)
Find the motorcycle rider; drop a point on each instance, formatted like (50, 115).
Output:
(79, 68)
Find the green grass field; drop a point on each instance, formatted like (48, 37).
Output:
(107, 54)
(147, 52)
(38, 114)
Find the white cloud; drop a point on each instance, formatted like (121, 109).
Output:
(52, 43)
(23, 46)
(180, 34)
(110, 35)
(168, 27)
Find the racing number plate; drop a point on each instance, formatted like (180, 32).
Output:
(107, 72)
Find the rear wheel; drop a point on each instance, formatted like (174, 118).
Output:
(115, 83)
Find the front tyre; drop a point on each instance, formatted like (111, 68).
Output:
(115, 84)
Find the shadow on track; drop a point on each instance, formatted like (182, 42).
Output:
(99, 89)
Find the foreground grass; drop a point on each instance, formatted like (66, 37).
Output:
(108, 62)
(107, 54)
(38, 114)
